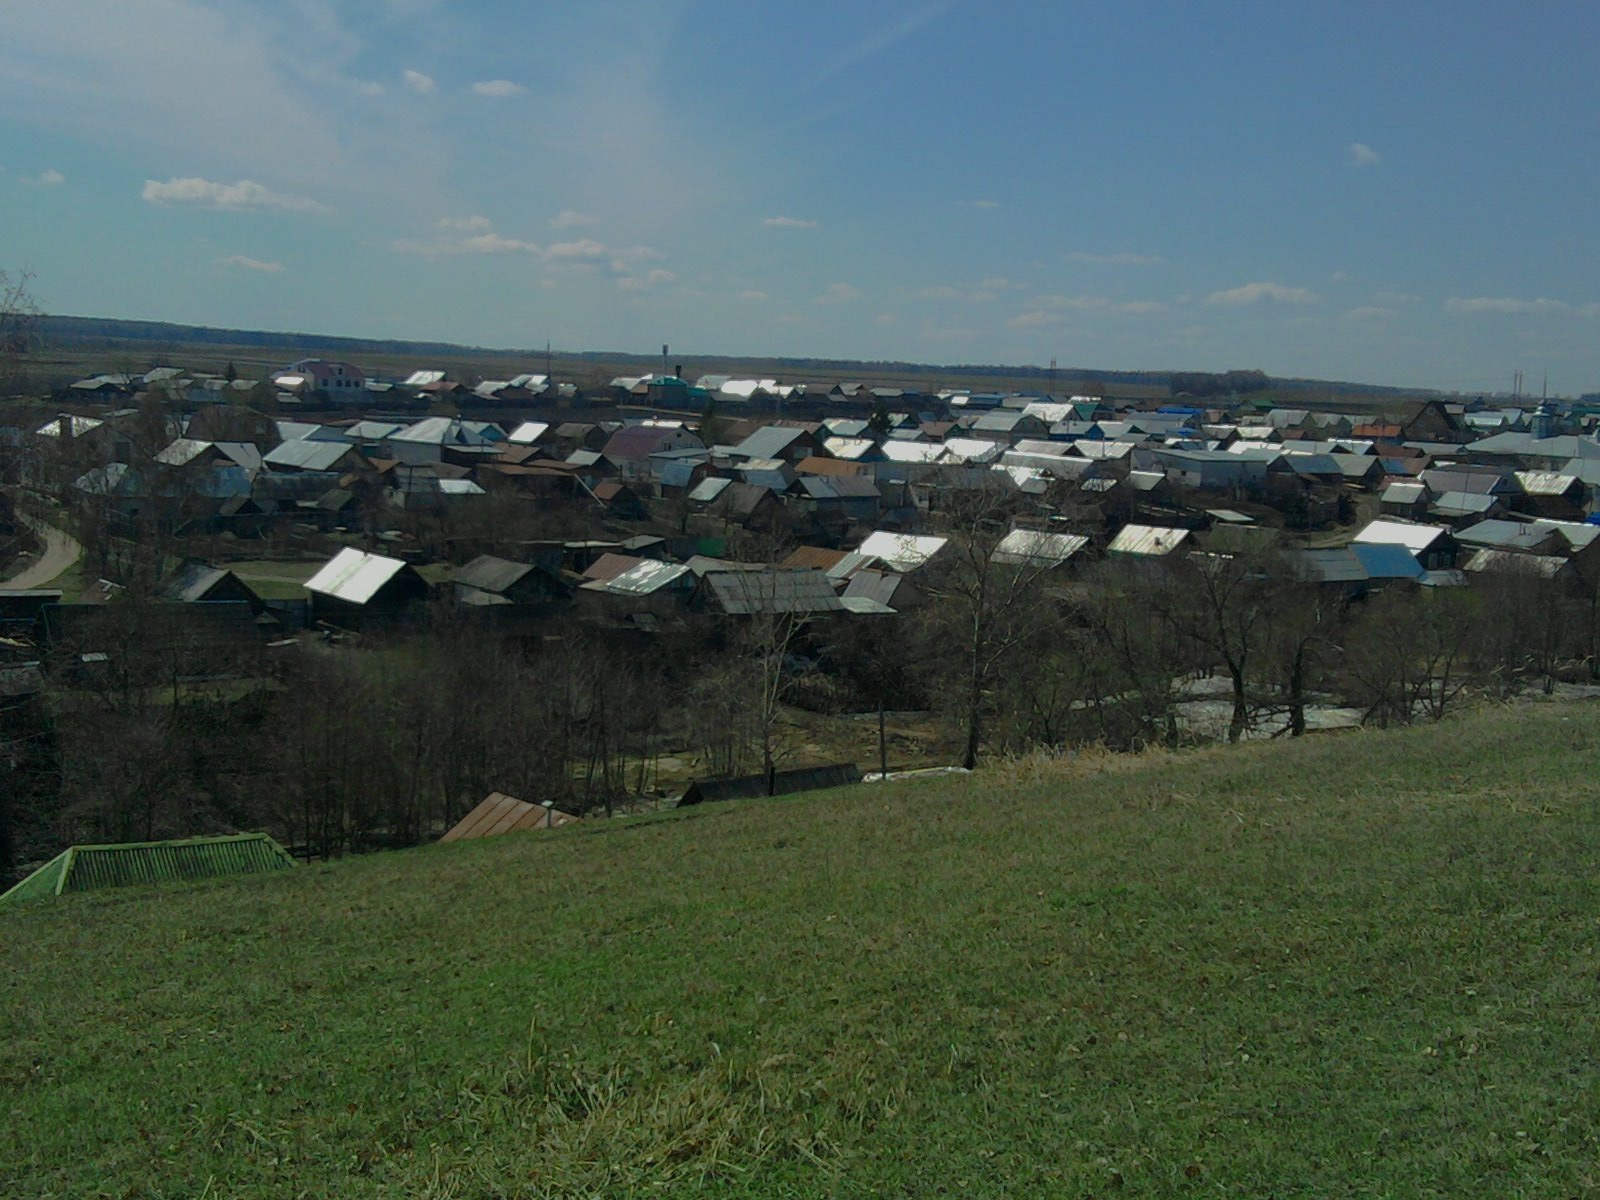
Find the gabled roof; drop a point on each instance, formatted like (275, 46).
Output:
(449, 431)
(88, 868)
(1387, 560)
(528, 432)
(354, 576)
(304, 454)
(1415, 538)
(902, 551)
(1036, 548)
(770, 441)
(646, 577)
(488, 573)
(500, 814)
(742, 593)
(708, 489)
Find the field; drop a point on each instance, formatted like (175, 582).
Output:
(1358, 965)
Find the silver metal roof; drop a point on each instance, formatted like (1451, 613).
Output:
(354, 576)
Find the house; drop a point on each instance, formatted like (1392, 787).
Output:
(490, 581)
(1554, 495)
(1431, 545)
(197, 582)
(339, 381)
(630, 448)
(444, 439)
(1406, 500)
(903, 552)
(619, 500)
(772, 591)
(1148, 541)
(851, 496)
(872, 590)
(1032, 548)
(355, 586)
(90, 868)
(307, 455)
(785, 443)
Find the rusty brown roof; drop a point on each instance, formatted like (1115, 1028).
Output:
(814, 558)
(608, 566)
(500, 813)
(816, 465)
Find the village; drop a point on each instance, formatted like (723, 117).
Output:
(661, 591)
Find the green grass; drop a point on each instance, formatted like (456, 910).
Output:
(1362, 965)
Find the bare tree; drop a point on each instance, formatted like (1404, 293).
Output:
(19, 317)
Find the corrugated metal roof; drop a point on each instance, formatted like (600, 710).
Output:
(1546, 483)
(528, 432)
(1148, 540)
(1544, 566)
(1036, 548)
(1404, 493)
(500, 813)
(488, 573)
(902, 551)
(745, 592)
(307, 454)
(354, 576)
(643, 579)
(1387, 561)
(87, 868)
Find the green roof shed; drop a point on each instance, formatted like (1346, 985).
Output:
(86, 868)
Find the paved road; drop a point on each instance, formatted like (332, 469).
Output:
(60, 551)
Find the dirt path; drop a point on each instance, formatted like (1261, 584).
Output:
(60, 551)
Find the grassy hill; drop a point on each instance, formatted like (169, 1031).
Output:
(1363, 965)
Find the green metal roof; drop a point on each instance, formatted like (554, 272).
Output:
(85, 868)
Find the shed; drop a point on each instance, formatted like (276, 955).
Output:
(89, 868)
(500, 813)
(782, 783)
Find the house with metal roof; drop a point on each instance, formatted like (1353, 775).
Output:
(902, 552)
(437, 439)
(1148, 541)
(774, 591)
(91, 868)
(1038, 549)
(355, 586)
(631, 448)
(1431, 545)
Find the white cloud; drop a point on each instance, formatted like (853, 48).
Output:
(582, 248)
(1505, 304)
(1588, 310)
(787, 223)
(466, 224)
(253, 264)
(493, 243)
(1396, 298)
(1254, 293)
(419, 83)
(236, 197)
(631, 283)
(1362, 155)
(50, 177)
(1113, 260)
(569, 218)
(499, 88)
(369, 88)
(838, 293)
(1034, 319)
(754, 296)
(995, 283)
(1339, 277)
(1370, 312)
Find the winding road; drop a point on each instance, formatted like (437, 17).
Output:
(60, 551)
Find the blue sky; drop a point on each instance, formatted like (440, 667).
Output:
(1391, 192)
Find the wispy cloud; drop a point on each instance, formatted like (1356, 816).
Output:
(1113, 260)
(253, 264)
(640, 283)
(569, 218)
(838, 293)
(1506, 304)
(1255, 293)
(754, 296)
(476, 235)
(243, 196)
(50, 177)
(499, 88)
(422, 85)
(885, 38)
(368, 87)
(788, 223)
(1360, 154)
(1370, 312)
(1055, 309)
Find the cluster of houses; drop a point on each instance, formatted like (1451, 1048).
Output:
(1427, 492)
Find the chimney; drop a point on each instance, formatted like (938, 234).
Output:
(64, 426)
(678, 370)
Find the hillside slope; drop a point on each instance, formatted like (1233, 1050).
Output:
(1362, 965)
